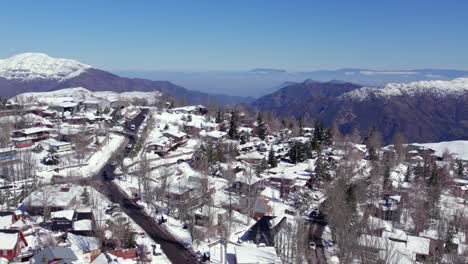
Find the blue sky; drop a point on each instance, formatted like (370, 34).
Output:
(203, 35)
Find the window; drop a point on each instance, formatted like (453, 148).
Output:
(4, 253)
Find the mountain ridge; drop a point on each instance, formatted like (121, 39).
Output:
(424, 112)
(36, 72)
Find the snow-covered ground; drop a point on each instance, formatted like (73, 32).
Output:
(459, 147)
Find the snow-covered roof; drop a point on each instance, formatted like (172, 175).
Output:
(288, 176)
(254, 155)
(189, 108)
(67, 214)
(65, 104)
(175, 133)
(83, 225)
(33, 130)
(213, 134)
(2, 150)
(246, 254)
(161, 141)
(53, 196)
(6, 221)
(418, 245)
(8, 239)
(397, 234)
(55, 143)
(83, 243)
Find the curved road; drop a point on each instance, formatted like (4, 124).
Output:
(172, 248)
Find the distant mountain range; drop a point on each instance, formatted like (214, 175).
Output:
(262, 81)
(424, 111)
(36, 72)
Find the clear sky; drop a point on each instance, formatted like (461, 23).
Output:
(240, 35)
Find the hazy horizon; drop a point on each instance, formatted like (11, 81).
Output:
(225, 36)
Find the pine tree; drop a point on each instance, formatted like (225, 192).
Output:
(261, 127)
(244, 138)
(408, 174)
(85, 197)
(386, 178)
(322, 168)
(261, 167)
(299, 152)
(272, 158)
(52, 158)
(300, 123)
(233, 126)
(219, 117)
(318, 136)
(318, 131)
(460, 169)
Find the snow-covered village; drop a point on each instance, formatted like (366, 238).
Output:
(233, 132)
(105, 177)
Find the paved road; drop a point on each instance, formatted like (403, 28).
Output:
(137, 120)
(131, 133)
(315, 235)
(173, 249)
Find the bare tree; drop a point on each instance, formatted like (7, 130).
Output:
(399, 142)
(5, 128)
(341, 208)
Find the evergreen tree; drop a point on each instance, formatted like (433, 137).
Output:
(219, 117)
(52, 158)
(460, 169)
(386, 178)
(284, 123)
(319, 137)
(299, 152)
(318, 131)
(261, 127)
(166, 127)
(85, 197)
(244, 138)
(322, 168)
(373, 144)
(408, 174)
(433, 180)
(272, 158)
(300, 123)
(261, 167)
(233, 126)
(210, 153)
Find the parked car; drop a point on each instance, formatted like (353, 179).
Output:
(132, 127)
(312, 245)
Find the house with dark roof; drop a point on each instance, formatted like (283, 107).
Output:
(265, 230)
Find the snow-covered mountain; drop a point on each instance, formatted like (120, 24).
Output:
(30, 66)
(424, 111)
(37, 72)
(437, 88)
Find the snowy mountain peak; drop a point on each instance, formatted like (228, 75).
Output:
(437, 88)
(30, 66)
